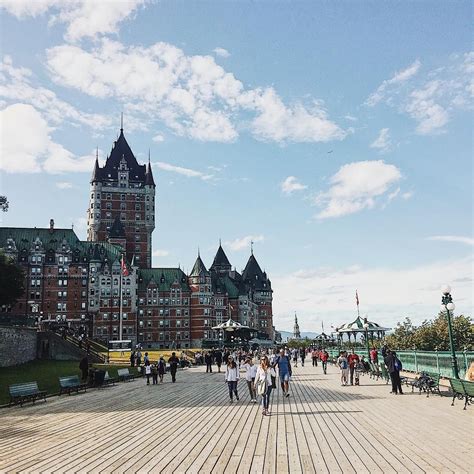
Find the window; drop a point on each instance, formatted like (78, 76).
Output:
(122, 197)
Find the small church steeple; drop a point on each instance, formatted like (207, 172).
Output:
(296, 329)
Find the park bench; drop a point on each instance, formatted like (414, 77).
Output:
(462, 389)
(25, 392)
(375, 372)
(426, 382)
(71, 384)
(432, 384)
(124, 375)
(109, 380)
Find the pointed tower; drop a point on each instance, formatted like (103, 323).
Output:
(221, 264)
(296, 329)
(123, 190)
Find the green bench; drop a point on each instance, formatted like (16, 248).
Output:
(433, 384)
(124, 375)
(462, 389)
(25, 392)
(71, 384)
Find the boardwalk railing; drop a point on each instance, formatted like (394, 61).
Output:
(428, 361)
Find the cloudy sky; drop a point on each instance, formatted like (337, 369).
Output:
(337, 137)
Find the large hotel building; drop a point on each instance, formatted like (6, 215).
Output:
(77, 283)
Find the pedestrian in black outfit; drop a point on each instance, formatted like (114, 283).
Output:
(208, 360)
(173, 361)
(394, 366)
(84, 367)
(218, 358)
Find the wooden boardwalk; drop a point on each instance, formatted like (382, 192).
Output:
(191, 427)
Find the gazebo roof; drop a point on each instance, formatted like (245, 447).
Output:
(358, 326)
(230, 325)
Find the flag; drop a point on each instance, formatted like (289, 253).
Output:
(123, 267)
(357, 298)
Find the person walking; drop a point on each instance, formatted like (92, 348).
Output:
(231, 378)
(132, 359)
(161, 368)
(284, 371)
(138, 358)
(314, 357)
(218, 359)
(394, 365)
(84, 367)
(353, 361)
(147, 372)
(294, 353)
(263, 382)
(154, 374)
(324, 360)
(173, 362)
(374, 357)
(250, 372)
(343, 366)
(208, 360)
(146, 359)
(302, 355)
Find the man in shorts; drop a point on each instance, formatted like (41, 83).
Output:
(284, 371)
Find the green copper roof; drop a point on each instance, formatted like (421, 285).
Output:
(163, 278)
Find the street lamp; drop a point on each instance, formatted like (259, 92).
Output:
(366, 327)
(448, 305)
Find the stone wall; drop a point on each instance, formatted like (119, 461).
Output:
(17, 345)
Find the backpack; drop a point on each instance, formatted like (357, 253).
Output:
(343, 364)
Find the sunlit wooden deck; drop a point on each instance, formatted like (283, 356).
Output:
(191, 427)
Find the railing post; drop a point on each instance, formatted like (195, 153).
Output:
(437, 359)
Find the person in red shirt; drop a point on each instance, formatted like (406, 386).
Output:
(374, 357)
(324, 356)
(353, 360)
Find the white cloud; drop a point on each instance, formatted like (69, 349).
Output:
(386, 294)
(433, 99)
(244, 242)
(350, 117)
(27, 147)
(64, 185)
(160, 253)
(453, 238)
(221, 52)
(158, 138)
(17, 85)
(192, 95)
(398, 78)
(84, 18)
(356, 186)
(407, 195)
(291, 184)
(190, 173)
(382, 142)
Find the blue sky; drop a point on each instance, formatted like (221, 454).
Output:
(337, 137)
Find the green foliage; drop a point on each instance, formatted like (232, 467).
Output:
(433, 334)
(297, 343)
(11, 281)
(4, 203)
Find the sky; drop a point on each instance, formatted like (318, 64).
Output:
(337, 136)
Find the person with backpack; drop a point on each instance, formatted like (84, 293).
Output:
(154, 374)
(263, 383)
(208, 360)
(284, 371)
(161, 368)
(218, 359)
(343, 366)
(231, 378)
(147, 371)
(394, 365)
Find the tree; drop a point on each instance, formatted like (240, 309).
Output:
(11, 281)
(402, 337)
(4, 203)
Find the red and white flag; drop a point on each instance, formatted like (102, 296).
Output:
(357, 298)
(123, 267)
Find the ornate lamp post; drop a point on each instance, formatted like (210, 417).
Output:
(448, 305)
(366, 327)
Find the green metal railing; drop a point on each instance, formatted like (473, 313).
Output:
(438, 362)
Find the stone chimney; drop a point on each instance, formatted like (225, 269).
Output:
(51, 225)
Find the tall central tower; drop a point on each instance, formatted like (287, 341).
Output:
(122, 203)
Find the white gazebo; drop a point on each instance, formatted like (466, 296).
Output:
(230, 325)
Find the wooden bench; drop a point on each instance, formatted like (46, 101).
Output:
(25, 392)
(124, 375)
(462, 389)
(109, 380)
(71, 384)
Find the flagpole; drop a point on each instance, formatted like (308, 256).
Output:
(120, 293)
